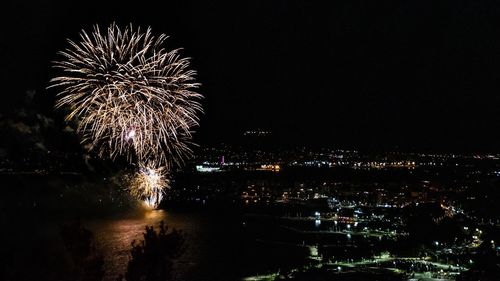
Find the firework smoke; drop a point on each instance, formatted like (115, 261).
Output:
(132, 98)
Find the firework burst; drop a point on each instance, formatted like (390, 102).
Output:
(149, 184)
(129, 95)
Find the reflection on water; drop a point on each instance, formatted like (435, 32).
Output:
(116, 234)
(212, 242)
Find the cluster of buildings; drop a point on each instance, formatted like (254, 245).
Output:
(227, 158)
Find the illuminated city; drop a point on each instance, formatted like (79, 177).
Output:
(250, 140)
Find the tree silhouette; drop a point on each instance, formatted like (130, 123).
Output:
(152, 259)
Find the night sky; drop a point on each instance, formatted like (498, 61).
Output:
(372, 74)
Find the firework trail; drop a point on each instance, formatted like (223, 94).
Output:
(131, 98)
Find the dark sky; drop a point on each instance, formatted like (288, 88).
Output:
(375, 74)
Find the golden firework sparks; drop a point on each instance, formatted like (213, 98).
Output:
(129, 95)
(149, 185)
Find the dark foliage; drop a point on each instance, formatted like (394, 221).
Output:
(85, 262)
(152, 259)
